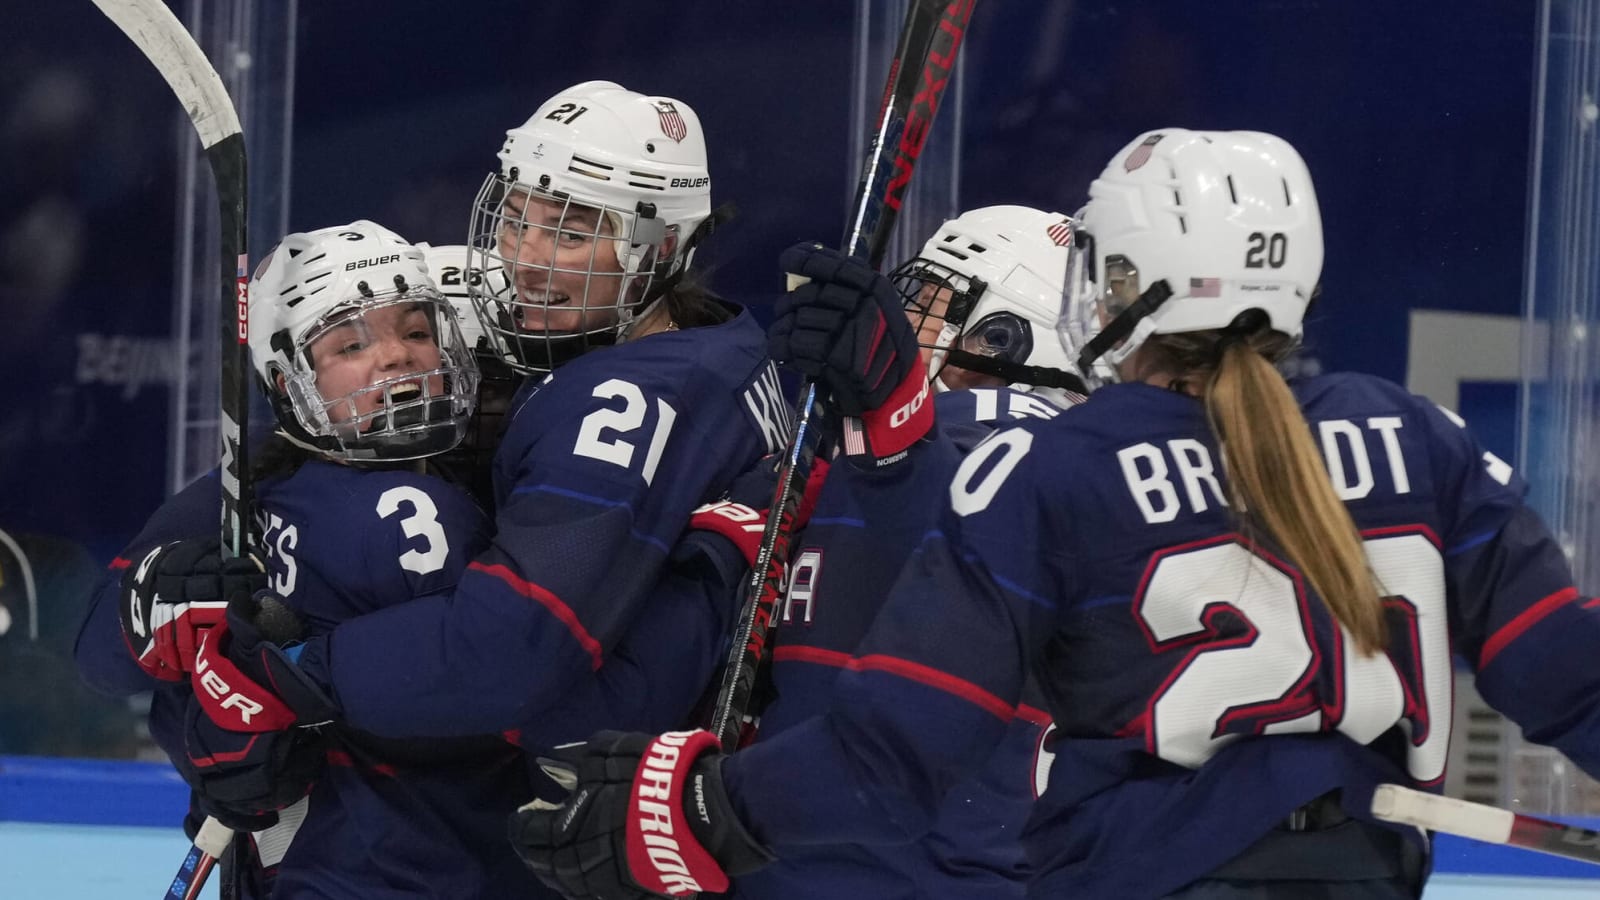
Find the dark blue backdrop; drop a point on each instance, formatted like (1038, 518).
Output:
(1415, 123)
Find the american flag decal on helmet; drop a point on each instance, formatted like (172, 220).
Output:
(1061, 233)
(1141, 153)
(1205, 287)
(672, 124)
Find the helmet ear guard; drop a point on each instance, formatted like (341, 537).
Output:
(994, 276)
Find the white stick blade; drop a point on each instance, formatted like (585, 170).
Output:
(1393, 803)
(169, 46)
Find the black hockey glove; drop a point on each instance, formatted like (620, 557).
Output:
(247, 682)
(243, 778)
(846, 327)
(648, 816)
(175, 592)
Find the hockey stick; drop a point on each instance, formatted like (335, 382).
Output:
(173, 51)
(1492, 825)
(922, 65)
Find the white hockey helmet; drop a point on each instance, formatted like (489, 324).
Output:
(457, 279)
(597, 205)
(985, 295)
(399, 381)
(1187, 231)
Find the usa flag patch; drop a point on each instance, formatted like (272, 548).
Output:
(672, 124)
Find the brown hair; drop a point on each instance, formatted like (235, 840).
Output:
(1276, 477)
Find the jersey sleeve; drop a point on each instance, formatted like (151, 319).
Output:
(935, 685)
(602, 478)
(102, 655)
(661, 673)
(1517, 616)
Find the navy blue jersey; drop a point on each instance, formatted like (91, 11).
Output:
(389, 818)
(596, 476)
(1200, 690)
(865, 525)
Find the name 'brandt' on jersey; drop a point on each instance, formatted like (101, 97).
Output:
(1180, 475)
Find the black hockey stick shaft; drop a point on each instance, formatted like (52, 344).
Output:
(923, 64)
(173, 51)
(1480, 822)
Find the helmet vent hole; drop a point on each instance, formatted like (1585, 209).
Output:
(295, 252)
(590, 168)
(1288, 200)
(649, 147)
(654, 183)
(1232, 194)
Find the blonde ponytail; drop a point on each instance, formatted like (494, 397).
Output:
(1277, 479)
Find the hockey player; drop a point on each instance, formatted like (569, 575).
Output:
(1238, 638)
(368, 374)
(594, 215)
(983, 298)
(349, 526)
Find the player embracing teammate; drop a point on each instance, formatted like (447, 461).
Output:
(1238, 596)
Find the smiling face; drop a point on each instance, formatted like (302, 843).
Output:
(360, 356)
(562, 259)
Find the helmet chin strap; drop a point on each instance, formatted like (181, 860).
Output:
(1016, 373)
(1123, 325)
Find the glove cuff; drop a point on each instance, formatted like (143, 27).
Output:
(885, 435)
(229, 697)
(668, 840)
(735, 521)
(716, 825)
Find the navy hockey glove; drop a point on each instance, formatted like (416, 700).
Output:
(173, 594)
(243, 778)
(648, 816)
(742, 516)
(847, 328)
(247, 682)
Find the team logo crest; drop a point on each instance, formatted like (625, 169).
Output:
(1061, 233)
(672, 124)
(1141, 153)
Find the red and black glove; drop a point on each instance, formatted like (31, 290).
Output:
(247, 682)
(243, 778)
(648, 816)
(846, 327)
(173, 594)
(742, 516)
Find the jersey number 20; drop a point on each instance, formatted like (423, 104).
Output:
(1287, 670)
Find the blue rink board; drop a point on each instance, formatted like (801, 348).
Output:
(93, 829)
